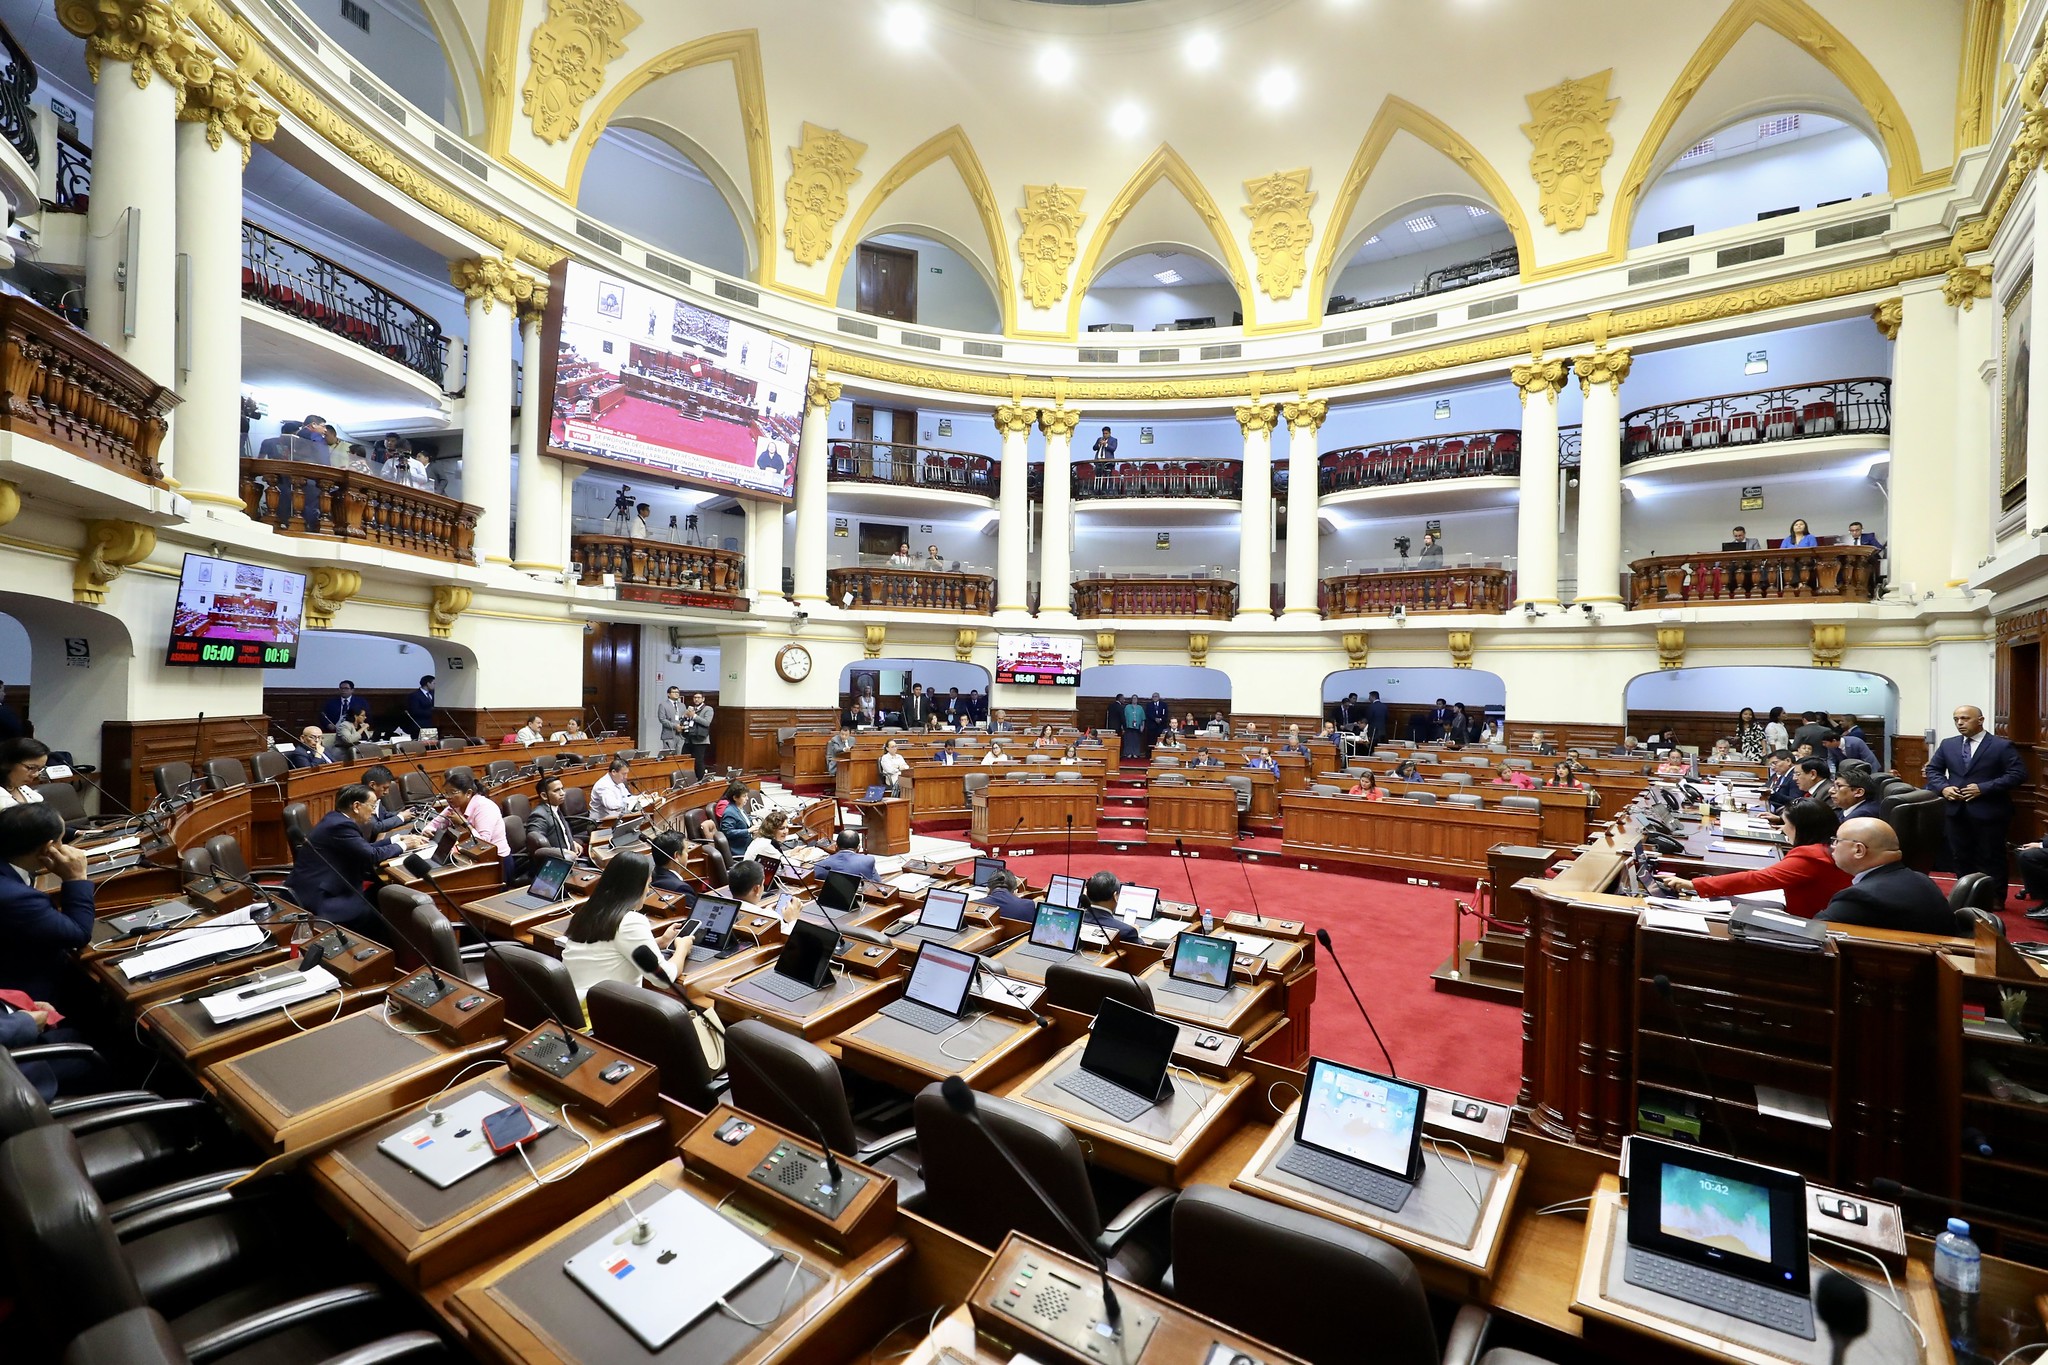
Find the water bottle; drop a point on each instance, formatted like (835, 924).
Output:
(1957, 1272)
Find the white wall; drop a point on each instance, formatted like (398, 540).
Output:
(1472, 686)
(951, 293)
(400, 48)
(1842, 164)
(591, 496)
(1485, 407)
(1396, 275)
(1183, 681)
(936, 674)
(647, 189)
(1102, 542)
(1850, 349)
(1368, 543)
(1146, 308)
(15, 651)
(956, 533)
(1834, 690)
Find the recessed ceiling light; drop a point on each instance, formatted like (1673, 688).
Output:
(1127, 119)
(1374, 238)
(1421, 222)
(1478, 212)
(1167, 276)
(1055, 64)
(1277, 88)
(905, 25)
(1202, 50)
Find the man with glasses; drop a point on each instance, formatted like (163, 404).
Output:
(1883, 893)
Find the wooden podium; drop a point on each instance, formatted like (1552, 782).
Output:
(885, 825)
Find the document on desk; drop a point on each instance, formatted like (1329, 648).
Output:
(272, 992)
(109, 849)
(1682, 921)
(210, 940)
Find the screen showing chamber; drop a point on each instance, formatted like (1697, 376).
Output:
(1370, 1119)
(1038, 660)
(1715, 1211)
(234, 615)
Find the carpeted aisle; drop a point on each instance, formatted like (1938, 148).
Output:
(666, 426)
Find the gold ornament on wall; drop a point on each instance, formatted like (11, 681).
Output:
(1306, 415)
(228, 103)
(820, 392)
(1888, 315)
(492, 279)
(327, 589)
(1829, 644)
(110, 547)
(534, 307)
(148, 34)
(1965, 285)
(1671, 647)
(1255, 417)
(1105, 646)
(1052, 221)
(10, 501)
(1198, 651)
(872, 649)
(963, 644)
(1461, 648)
(1568, 126)
(570, 50)
(449, 602)
(1354, 649)
(1540, 378)
(1603, 367)
(821, 167)
(1280, 229)
(1059, 421)
(1013, 420)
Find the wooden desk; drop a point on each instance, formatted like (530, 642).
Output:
(1011, 962)
(187, 1033)
(1013, 810)
(1202, 812)
(885, 826)
(831, 1010)
(1565, 810)
(1163, 1147)
(1410, 838)
(1246, 1010)
(984, 1054)
(1265, 805)
(105, 972)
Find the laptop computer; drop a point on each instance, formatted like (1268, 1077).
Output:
(941, 916)
(657, 1288)
(1065, 891)
(1723, 1234)
(1359, 1133)
(805, 964)
(443, 852)
(1055, 933)
(875, 792)
(1729, 546)
(1137, 903)
(549, 885)
(443, 1153)
(1123, 1068)
(716, 916)
(984, 868)
(1200, 968)
(163, 916)
(937, 993)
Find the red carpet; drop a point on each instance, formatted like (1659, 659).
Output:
(664, 426)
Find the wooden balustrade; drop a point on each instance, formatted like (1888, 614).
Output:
(660, 564)
(62, 387)
(1478, 591)
(886, 589)
(1214, 599)
(337, 502)
(1837, 573)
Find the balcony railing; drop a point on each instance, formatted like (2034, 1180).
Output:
(1212, 599)
(66, 389)
(1473, 591)
(1498, 266)
(350, 503)
(1795, 413)
(870, 588)
(1827, 573)
(1463, 455)
(279, 273)
(912, 466)
(1097, 479)
(1568, 446)
(74, 175)
(659, 564)
(17, 85)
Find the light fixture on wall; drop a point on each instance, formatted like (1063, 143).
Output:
(1164, 542)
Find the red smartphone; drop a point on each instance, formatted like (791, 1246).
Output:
(509, 1127)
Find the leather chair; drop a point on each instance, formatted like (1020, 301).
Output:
(1920, 819)
(140, 1336)
(1242, 785)
(541, 982)
(225, 774)
(171, 779)
(415, 788)
(1521, 803)
(500, 770)
(518, 805)
(1970, 916)
(1224, 1240)
(576, 805)
(811, 1079)
(1978, 889)
(1471, 799)
(970, 1189)
(270, 765)
(412, 748)
(195, 869)
(653, 1026)
(1420, 798)
(454, 744)
(298, 825)
(417, 922)
(1083, 986)
(226, 852)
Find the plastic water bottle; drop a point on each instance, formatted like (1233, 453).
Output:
(1958, 1267)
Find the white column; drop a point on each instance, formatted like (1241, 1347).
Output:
(1975, 434)
(1600, 377)
(764, 554)
(220, 120)
(542, 487)
(1255, 525)
(812, 479)
(1056, 544)
(1539, 382)
(2037, 413)
(494, 289)
(1013, 510)
(1304, 421)
(1923, 462)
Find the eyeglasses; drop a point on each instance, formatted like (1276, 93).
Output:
(1838, 839)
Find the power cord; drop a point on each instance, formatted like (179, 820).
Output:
(428, 1107)
(971, 1021)
(385, 1014)
(589, 1148)
(795, 1269)
(1472, 1190)
(1891, 1294)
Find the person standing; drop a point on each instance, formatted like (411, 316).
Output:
(697, 732)
(339, 705)
(419, 706)
(1749, 735)
(1975, 772)
(1776, 736)
(1133, 725)
(917, 709)
(1377, 720)
(669, 716)
(1157, 714)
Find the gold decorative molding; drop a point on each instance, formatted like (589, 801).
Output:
(1541, 378)
(1105, 646)
(1460, 642)
(1965, 285)
(1829, 644)
(228, 103)
(147, 34)
(1051, 219)
(1013, 420)
(1256, 418)
(450, 601)
(1888, 315)
(1167, 164)
(534, 307)
(821, 167)
(1568, 129)
(110, 547)
(567, 56)
(963, 644)
(820, 392)
(1355, 648)
(1977, 74)
(10, 501)
(1058, 422)
(1604, 366)
(876, 636)
(1670, 647)
(1198, 651)
(1306, 415)
(491, 279)
(327, 591)
(1280, 229)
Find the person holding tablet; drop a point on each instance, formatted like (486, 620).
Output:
(605, 929)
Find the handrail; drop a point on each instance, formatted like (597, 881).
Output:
(1841, 573)
(1476, 591)
(1791, 412)
(659, 564)
(66, 389)
(1213, 599)
(342, 502)
(886, 589)
(279, 273)
(1098, 479)
(1423, 459)
(1568, 439)
(74, 175)
(904, 465)
(1496, 265)
(18, 81)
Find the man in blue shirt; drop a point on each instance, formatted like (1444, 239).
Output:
(948, 755)
(846, 857)
(1002, 895)
(419, 705)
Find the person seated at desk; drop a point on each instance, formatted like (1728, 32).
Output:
(21, 766)
(1204, 759)
(903, 559)
(1883, 892)
(470, 807)
(995, 755)
(1520, 778)
(1406, 771)
(846, 857)
(606, 929)
(1293, 743)
(1045, 739)
(768, 836)
(1853, 794)
(26, 1022)
(380, 782)
(610, 797)
(864, 715)
(891, 766)
(351, 730)
(1003, 889)
(1799, 537)
(339, 859)
(1781, 789)
(1564, 775)
(1260, 760)
(1367, 786)
(729, 817)
(1537, 744)
(1218, 726)
(535, 731)
(1329, 734)
(39, 937)
(1072, 753)
(747, 883)
(1664, 742)
(838, 747)
(1172, 738)
(1810, 775)
(547, 824)
(666, 849)
(1098, 907)
(1806, 874)
(948, 755)
(999, 723)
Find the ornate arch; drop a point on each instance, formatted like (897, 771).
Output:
(1168, 165)
(742, 48)
(950, 145)
(1397, 115)
(684, 145)
(459, 54)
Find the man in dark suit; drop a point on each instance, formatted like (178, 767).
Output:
(419, 706)
(1350, 711)
(1002, 895)
(339, 705)
(917, 708)
(1854, 795)
(331, 869)
(1377, 721)
(547, 826)
(947, 756)
(668, 866)
(1858, 536)
(380, 782)
(1976, 772)
(310, 753)
(1157, 714)
(10, 719)
(1883, 893)
(38, 938)
(1782, 787)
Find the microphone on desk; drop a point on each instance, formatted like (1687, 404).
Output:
(1844, 1306)
(1070, 844)
(802, 1115)
(1323, 937)
(1182, 851)
(1884, 1187)
(960, 1098)
(1245, 872)
(1662, 983)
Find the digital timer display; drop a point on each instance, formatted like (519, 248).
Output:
(233, 615)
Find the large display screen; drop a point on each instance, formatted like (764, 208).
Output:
(232, 615)
(1038, 660)
(644, 382)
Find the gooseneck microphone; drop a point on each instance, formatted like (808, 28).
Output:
(960, 1098)
(1180, 849)
(1323, 937)
(1844, 1306)
(1070, 844)
(1245, 873)
(1662, 983)
(1884, 1187)
(803, 1117)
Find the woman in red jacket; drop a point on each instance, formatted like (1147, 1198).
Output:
(1806, 874)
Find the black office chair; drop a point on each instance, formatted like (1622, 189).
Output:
(417, 921)
(226, 851)
(172, 779)
(1978, 889)
(518, 806)
(811, 1079)
(1920, 819)
(500, 770)
(1970, 916)
(1083, 986)
(527, 981)
(653, 1026)
(269, 765)
(140, 1336)
(970, 1189)
(416, 788)
(195, 870)
(298, 825)
(226, 774)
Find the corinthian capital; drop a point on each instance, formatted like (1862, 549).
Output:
(820, 392)
(492, 279)
(148, 34)
(1013, 420)
(1603, 367)
(1058, 421)
(534, 307)
(1540, 378)
(1306, 415)
(1253, 418)
(228, 103)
